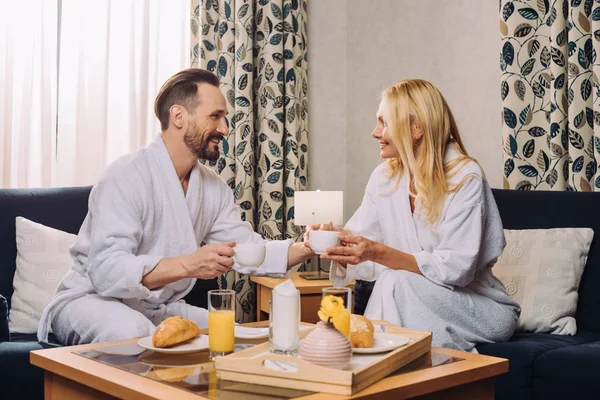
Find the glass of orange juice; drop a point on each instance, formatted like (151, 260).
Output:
(342, 321)
(221, 321)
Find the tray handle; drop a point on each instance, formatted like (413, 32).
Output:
(306, 370)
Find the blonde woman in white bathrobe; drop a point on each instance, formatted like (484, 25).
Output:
(428, 230)
(139, 251)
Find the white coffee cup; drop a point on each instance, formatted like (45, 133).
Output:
(319, 241)
(250, 255)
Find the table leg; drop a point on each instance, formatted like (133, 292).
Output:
(265, 303)
(259, 316)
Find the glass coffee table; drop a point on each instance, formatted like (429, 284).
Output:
(125, 370)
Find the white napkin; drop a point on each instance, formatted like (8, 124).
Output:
(285, 315)
(246, 332)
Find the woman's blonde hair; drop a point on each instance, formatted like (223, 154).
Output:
(420, 102)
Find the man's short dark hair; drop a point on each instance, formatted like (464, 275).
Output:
(182, 89)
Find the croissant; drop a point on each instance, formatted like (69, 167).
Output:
(361, 331)
(174, 330)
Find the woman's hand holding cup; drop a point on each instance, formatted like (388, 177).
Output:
(317, 227)
(323, 236)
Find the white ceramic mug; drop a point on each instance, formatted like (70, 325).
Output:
(250, 255)
(319, 241)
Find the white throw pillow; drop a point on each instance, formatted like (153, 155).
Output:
(541, 270)
(43, 259)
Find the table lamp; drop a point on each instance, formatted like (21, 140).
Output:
(318, 207)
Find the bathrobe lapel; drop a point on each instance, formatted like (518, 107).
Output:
(186, 207)
(392, 201)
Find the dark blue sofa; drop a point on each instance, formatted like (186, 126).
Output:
(60, 208)
(545, 366)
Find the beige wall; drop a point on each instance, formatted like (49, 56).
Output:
(327, 94)
(357, 48)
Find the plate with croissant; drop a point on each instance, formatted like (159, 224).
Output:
(175, 335)
(365, 340)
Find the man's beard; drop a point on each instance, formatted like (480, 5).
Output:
(201, 148)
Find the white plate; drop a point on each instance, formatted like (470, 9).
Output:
(190, 346)
(383, 342)
(245, 332)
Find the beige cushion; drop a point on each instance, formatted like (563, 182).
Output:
(43, 259)
(541, 270)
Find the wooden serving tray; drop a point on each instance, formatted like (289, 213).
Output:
(293, 372)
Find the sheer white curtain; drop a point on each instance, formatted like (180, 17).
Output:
(114, 56)
(28, 41)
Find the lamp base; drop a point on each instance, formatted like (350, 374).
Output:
(315, 275)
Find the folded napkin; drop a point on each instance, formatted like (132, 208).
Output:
(246, 332)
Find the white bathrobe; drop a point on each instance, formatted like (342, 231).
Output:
(138, 214)
(457, 297)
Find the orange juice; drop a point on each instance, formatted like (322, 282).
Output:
(342, 322)
(212, 384)
(220, 330)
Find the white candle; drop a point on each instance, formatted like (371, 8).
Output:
(285, 316)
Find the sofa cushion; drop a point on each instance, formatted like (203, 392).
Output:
(4, 332)
(556, 209)
(59, 208)
(43, 259)
(541, 270)
(522, 351)
(568, 373)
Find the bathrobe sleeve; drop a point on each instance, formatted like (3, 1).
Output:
(116, 232)
(454, 261)
(228, 226)
(364, 222)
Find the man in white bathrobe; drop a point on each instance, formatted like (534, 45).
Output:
(139, 250)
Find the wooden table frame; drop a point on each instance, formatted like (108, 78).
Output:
(310, 295)
(70, 376)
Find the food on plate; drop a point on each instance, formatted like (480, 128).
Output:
(173, 331)
(361, 331)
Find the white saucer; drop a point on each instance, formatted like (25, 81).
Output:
(190, 346)
(246, 332)
(383, 342)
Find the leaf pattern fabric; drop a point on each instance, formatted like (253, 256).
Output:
(550, 92)
(257, 48)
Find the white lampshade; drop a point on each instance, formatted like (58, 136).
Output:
(317, 207)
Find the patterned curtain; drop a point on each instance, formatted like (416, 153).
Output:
(258, 50)
(550, 92)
